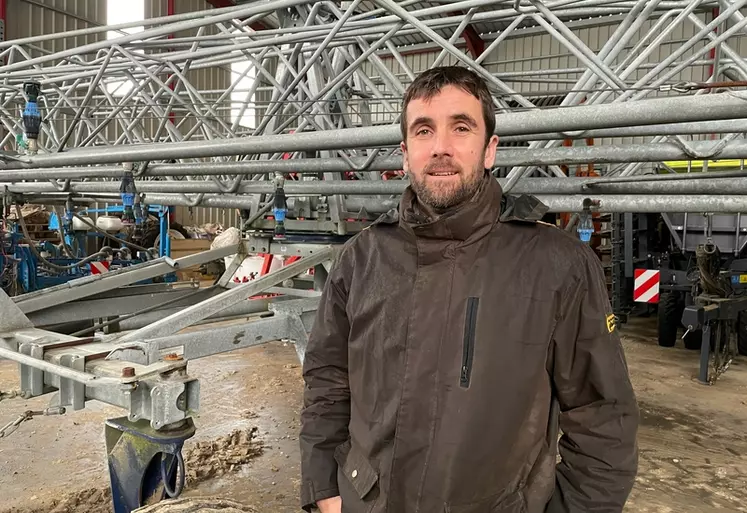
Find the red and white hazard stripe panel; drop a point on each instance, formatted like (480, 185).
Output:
(99, 267)
(646, 288)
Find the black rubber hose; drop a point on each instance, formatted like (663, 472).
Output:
(104, 251)
(67, 249)
(708, 259)
(181, 476)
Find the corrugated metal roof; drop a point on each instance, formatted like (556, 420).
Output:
(489, 27)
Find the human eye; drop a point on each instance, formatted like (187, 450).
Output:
(422, 131)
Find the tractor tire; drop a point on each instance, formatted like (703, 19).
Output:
(669, 317)
(742, 333)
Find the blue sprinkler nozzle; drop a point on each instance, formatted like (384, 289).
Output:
(138, 209)
(585, 227)
(31, 115)
(128, 191)
(69, 216)
(279, 209)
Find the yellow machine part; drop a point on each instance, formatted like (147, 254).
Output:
(680, 166)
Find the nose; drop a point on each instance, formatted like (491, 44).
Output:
(442, 144)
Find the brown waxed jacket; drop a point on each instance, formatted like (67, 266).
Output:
(446, 354)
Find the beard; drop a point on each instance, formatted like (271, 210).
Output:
(442, 196)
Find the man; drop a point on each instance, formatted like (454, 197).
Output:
(455, 338)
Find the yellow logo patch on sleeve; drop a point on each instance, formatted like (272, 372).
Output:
(611, 323)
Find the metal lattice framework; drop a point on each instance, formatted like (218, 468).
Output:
(323, 100)
(171, 103)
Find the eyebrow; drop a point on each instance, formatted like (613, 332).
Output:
(424, 120)
(466, 118)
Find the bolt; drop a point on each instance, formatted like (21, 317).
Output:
(128, 372)
(172, 357)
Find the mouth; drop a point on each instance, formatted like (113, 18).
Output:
(442, 173)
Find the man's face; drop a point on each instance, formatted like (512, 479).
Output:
(444, 152)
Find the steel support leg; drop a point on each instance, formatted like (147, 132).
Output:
(705, 355)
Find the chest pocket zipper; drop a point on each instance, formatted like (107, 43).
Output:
(468, 345)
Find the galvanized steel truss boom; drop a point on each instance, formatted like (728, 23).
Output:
(324, 98)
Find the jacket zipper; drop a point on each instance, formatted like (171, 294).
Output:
(468, 347)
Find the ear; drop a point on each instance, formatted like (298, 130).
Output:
(490, 151)
(405, 164)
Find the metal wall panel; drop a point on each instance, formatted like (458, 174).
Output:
(27, 19)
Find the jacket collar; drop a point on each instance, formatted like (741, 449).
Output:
(470, 220)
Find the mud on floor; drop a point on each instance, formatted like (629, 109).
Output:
(246, 432)
(203, 460)
(692, 438)
(201, 505)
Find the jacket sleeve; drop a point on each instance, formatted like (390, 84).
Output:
(598, 411)
(326, 412)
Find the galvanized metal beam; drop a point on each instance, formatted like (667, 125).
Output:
(95, 284)
(189, 316)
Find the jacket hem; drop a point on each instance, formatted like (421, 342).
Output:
(309, 500)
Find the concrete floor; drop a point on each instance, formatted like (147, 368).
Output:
(693, 442)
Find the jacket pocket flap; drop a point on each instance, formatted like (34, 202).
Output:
(356, 468)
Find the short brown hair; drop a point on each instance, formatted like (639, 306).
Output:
(430, 82)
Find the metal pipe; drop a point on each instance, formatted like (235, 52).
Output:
(736, 59)
(715, 41)
(244, 308)
(377, 23)
(712, 185)
(318, 165)
(612, 48)
(89, 380)
(643, 112)
(632, 94)
(648, 204)
(408, 17)
(302, 73)
(566, 37)
(78, 282)
(645, 203)
(86, 101)
(703, 127)
(653, 152)
(607, 54)
(330, 89)
(121, 26)
(721, 149)
(193, 20)
(215, 304)
(709, 185)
